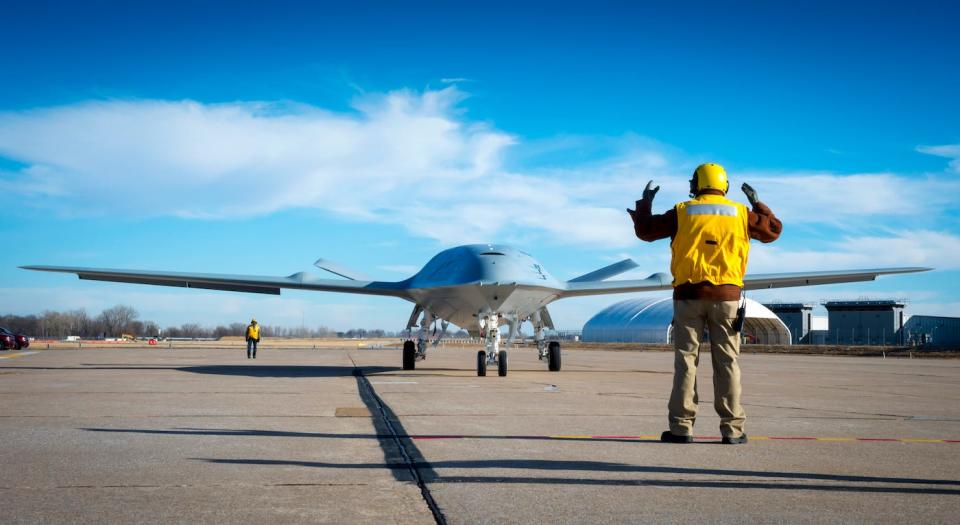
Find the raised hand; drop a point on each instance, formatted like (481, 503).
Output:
(650, 191)
(750, 193)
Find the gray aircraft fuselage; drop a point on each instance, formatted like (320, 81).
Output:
(459, 283)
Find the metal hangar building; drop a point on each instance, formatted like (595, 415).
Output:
(651, 321)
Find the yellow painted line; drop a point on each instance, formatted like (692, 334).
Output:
(11, 356)
(921, 440)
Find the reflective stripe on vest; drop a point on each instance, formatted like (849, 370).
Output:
(712, 242)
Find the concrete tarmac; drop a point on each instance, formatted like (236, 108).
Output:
(342, 435)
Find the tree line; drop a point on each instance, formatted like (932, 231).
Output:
(123, 319)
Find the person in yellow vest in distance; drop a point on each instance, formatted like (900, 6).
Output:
(710, 242)
(253, 337)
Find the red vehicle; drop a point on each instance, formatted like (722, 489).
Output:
(10, 340)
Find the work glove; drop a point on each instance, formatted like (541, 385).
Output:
(650, 192)
(750, 193)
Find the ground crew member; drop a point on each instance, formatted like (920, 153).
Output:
(253, 337)
(710, 240)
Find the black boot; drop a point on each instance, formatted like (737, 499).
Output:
(742, 440)
(670, 437)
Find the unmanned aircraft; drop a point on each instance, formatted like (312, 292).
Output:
(477, 287)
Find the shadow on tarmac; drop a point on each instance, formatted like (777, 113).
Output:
(406, 462)
(429, 474)
(239, 370)
(601, 466)
(284, 370)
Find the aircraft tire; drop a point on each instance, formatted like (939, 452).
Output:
(553, 356)
(409, 355)
(481, 363)
(502, 363)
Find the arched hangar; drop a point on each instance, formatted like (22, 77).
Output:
(651, 321)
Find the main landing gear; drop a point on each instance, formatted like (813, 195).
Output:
(417, 351)
(553, 356)
(549, 351)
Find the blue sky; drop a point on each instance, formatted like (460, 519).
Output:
(255, 139)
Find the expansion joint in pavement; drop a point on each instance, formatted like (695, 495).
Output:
(408, 450)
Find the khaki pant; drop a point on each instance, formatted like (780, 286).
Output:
(689, 319)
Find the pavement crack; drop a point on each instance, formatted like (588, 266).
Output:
(412, 457)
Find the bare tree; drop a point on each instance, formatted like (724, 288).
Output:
(117, 319)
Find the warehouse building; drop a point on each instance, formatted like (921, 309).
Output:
(931, 331)
(865, 322)
(798, 317)
(650, 321)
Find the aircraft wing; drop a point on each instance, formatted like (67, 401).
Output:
(657, 281)
(233, 283)
(661, 281)
(785, 280)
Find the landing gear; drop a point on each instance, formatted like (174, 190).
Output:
(414, 351)
(553, 356)
(492, 355)
(409, 355)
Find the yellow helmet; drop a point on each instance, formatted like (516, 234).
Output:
(253, 321)
(709, 176)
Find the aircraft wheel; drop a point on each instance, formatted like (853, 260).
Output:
(553, 356)
(409, 355)
(481, 363)
(502, 363)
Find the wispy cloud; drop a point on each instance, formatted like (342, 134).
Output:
(950, 151)
(905, 248)
(407, 158)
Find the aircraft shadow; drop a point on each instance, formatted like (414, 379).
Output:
(784, 480)
(396, 442)
(285, 370)
(550, 465)
(274, 371)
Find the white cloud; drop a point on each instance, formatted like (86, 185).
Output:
(950, 151)
(939, 250)
(851, 200)
(408, 158)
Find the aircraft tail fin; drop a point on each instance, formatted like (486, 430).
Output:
(336, 269)
(606, 272)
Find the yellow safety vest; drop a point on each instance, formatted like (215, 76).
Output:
(712, 241)
(253, 331)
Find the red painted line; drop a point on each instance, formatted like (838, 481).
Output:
(696, 438)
